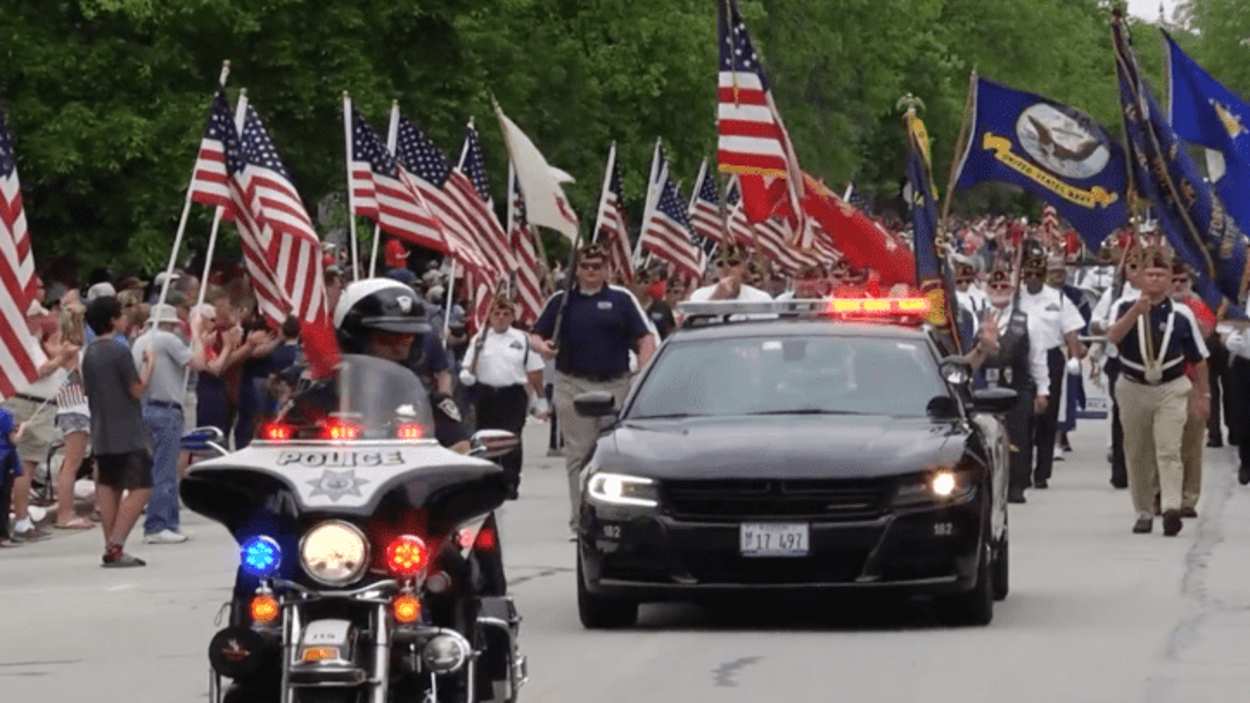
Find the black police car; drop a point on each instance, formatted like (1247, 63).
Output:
(805, 452)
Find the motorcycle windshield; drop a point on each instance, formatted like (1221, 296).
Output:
(368, 399)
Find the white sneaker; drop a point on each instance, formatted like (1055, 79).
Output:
(165, 537)
(37, 513)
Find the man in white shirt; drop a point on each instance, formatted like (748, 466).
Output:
(1124, 290)
(966, 290)
(507, 376)
(1236, 340)
(731, 271)
(1058, 323)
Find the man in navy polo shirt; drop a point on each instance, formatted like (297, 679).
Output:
(600, 326)
(1156, 339)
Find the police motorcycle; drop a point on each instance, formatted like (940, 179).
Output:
(370, 557)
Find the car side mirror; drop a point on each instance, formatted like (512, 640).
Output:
(492, 444)
(942, 406)
(994, 401)
(956, 370)
(595, 404)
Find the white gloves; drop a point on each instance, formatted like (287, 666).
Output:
(1074, 366)
(539, 407)
(467, 378)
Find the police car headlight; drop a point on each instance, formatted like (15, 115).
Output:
(622, 489)
(334, 553)
(941, 485)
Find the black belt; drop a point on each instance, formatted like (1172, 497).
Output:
(596, 377)
(164, 404)
(31, 398)
(1131, 375)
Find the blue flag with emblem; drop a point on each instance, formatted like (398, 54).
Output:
(1189, 213)
(1049, 149)
(1205, 112)
(931, 272)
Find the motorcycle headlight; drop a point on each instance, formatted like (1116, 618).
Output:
(334, 553)
(622, 489)
(935, 486)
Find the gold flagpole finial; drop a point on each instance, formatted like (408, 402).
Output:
(908, 104)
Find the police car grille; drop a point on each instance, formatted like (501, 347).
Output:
(731, 500)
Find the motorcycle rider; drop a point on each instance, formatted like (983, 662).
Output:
(382, 318)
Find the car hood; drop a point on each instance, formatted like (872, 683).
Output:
(781, 446)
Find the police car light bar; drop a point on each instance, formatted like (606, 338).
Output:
(864, 308)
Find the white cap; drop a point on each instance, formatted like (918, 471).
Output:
(103, 289)
(162, 313)
(160, 278)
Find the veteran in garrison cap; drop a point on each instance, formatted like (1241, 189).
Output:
(1157, 340)
(590, 329)
(731, 282)
(1007, 355)
(1058, 322)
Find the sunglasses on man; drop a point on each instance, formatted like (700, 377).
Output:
(590, 265)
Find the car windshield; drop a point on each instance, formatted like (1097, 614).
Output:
(790, 375)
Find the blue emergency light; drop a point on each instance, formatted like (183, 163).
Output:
(261, 556)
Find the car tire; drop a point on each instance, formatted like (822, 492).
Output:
(599, 613)
(1000, 571)
(975, 607)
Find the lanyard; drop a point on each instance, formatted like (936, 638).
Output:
(1152, 364)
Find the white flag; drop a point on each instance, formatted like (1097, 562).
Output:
(545, 203)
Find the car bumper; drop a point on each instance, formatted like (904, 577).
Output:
(653, 556)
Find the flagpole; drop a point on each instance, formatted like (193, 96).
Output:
(186, 206)
(451, 289)
(965, 130)
(392, 137)
(698, 186)
(603, 192)
(351, 196)
(647, 205)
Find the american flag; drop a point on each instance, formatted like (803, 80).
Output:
(529, 274)
(739, 226)
(610, 229)
(21, 355)
(379, 194)
(773, 239)
(666, 233)
(425, 169)
(469, 182)
(705, 217)
(213, 184)
(266, 198)
(1050, 226)
(753, 141)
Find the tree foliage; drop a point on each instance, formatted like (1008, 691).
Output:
(107, 98)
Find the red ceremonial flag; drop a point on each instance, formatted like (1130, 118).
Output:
(862, 242)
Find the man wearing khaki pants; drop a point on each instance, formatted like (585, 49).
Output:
(600, 325)
(1156, 339)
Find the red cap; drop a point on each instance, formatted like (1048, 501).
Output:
(396, 254)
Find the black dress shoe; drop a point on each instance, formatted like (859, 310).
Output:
(1119, 484)
(1243, 475)
(1143, 526)
(1016, 497)
(1215, 443)
(1171, 523)
(1040, 484)
(1189, 512)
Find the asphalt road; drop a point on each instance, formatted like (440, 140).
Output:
(1095, 614)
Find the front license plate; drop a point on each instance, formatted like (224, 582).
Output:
(773, 539)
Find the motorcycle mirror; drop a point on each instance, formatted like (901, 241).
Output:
(492, 444)
(205, 440)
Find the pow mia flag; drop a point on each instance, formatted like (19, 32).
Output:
(1051, 150)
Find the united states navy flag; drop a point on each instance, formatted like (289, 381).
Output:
(1051, 150)
(1205, 112)
(1191, 216)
